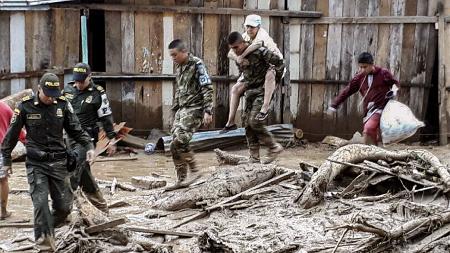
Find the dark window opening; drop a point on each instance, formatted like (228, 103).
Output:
(96, 40)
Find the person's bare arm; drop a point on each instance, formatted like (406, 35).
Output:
(255, 45)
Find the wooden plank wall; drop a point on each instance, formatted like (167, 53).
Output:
(34, 41)
(328, 52)
(136, 42)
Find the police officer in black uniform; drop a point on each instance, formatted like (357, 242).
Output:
(44, 116)
(91, 105)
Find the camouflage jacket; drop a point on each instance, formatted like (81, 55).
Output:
(194, 88)
(44, 125)
(91, 105)
(259, 62)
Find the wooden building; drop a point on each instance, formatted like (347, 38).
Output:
(127, 44)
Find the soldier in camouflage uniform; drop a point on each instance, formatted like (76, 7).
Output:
(193, 105)
(254, 75)
(44, 116)
(91, 105)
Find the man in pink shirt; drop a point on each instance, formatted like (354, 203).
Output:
(5, 118)
(377, 86)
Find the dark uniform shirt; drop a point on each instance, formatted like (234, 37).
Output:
(260, 61)
(194, 88)
(91, 105)
(44, 125)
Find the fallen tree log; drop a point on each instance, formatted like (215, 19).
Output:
(228, 158)
(223, 183)
(354, 153)
(357, 153)
(274, 180)
(406, 231)
(13, 99)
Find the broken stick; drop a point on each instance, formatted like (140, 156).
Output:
(235, 197)
(106, 225)
(161, 232)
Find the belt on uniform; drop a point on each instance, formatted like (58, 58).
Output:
(45, 156)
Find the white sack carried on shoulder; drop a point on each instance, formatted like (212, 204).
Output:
(398, 122)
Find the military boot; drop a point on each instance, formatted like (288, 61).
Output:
(254, 155)
(98, 201)
(45, 244)
(194, 173)
(181, 171)
(274, 151)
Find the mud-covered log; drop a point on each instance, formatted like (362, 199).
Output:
(224, 157)
(441, 169)
(88, 212)
(223, 183)
(354, 153)
(13, 99)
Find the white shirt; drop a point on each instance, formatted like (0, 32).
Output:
(267, 41)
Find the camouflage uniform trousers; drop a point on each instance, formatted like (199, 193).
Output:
(255, 130)
(46, 177)
(186, 123)
(82, 176)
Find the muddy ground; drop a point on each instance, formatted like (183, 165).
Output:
(272, 224)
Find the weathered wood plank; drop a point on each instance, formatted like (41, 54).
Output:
(5, 85)
(362, 45)
(222, 89)
(333, 62)
(382, 19)
(299, 113)
(396, 38)
(210, 55)
(307, 57)
(383, 48)
(17, 49)
(407, 51)
(113, 61)
(167, 86)
(58, 32)
(347, 112)
(191, 10)
(73, 37)
(419, 95)
(318, 104)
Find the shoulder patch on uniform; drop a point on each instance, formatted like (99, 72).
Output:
(26, 98)
(62, 98)
(16, 111)
(100, 88)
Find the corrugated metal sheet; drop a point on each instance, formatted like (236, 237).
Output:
(209, 140)
(19, 5)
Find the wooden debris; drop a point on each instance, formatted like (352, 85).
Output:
(148, 182)
(436, 235)
(260, 191)
(13, 99)
(306, 166)
(122, 186)
(289, 186)
(237, 196)
(161, 232)
(106, 225)
(119, 203)
(334, 141)
(16, 225)
(373, 198)
(228, 158)
(115, 159)
(113, 186)
(134, 141)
